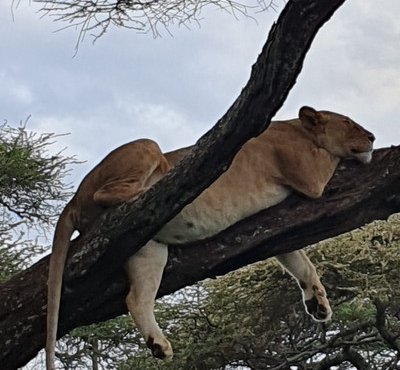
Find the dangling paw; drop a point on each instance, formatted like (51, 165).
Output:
(316, 303)
(160, 348)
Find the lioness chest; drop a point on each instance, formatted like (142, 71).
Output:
(248, 186)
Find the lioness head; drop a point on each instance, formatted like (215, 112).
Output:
(338, 134)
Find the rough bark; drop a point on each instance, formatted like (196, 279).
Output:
(102, 251)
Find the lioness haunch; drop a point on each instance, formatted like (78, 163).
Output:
(299, 154)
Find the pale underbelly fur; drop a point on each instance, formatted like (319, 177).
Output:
(213, 212)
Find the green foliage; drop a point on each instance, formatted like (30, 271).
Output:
(254, 317)
(109, 342)
(18, 168)
(32, 188)
(355, 310)
(16, 254)
(31, 179)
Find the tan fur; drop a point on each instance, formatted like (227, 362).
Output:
(299, 154)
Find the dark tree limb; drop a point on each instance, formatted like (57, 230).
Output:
(97, 258)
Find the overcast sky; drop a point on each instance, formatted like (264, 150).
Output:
(173, 89)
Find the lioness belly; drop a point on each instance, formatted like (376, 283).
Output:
(215, 210)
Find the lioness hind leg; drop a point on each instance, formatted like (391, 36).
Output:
(314, 295)
(145, 270)
(131, 171)
(116, 192)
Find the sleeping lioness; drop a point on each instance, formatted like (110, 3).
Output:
(299, 154)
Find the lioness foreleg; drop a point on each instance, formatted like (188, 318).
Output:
(145, 270)
(314, 295)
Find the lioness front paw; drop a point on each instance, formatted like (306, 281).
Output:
(160, 348)
(317, 304)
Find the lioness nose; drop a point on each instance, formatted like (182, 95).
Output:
(371, 137)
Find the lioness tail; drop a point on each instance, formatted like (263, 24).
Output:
(62, 237)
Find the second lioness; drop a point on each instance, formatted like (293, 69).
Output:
(299, 154)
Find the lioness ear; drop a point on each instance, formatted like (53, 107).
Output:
(310, 118)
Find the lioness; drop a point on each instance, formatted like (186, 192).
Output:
(299, 154)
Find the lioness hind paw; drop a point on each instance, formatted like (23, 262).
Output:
(319, 311)
(161, 351)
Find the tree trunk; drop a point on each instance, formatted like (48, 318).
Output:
(103, 250)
